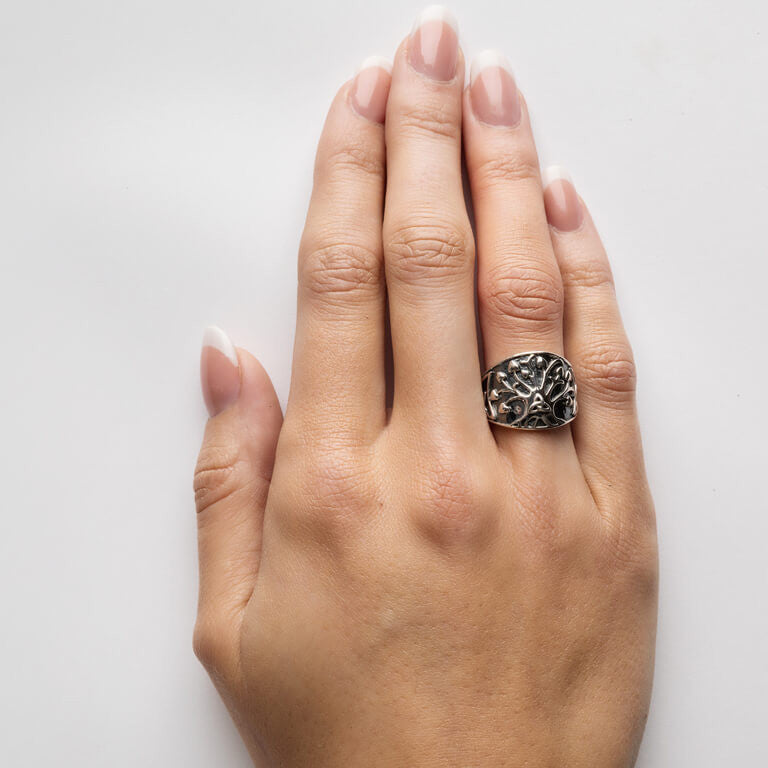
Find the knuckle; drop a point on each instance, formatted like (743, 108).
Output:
(433, 119)
(415, 253)
(341, 268)
(587, 274)
(350, 158)
(506, 167)
(547, 525)
(531, 294)
(208, 644)
(218, 475)
(631, 548)
(332, 488)
(642, 570)
(450, 501)
(333, 480)
(610, 371)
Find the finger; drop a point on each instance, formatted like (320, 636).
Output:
(338, 367)
(519, 288)
(428, 241)
(231, 483)
(606, 431)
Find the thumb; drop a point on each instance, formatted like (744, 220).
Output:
(231, 484)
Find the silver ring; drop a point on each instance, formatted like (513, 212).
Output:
(535, 390)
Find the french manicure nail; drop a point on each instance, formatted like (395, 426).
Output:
(433, 49)
(493, 91)
(219, 370)
(370, 88)
(561, 200)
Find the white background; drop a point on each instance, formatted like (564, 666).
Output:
(155, 162)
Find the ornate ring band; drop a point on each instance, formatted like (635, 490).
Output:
(535, 390)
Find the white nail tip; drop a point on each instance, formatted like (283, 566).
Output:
(375, 61)
(486, 59)
(216, 338)
(554, 173)
(436, 13)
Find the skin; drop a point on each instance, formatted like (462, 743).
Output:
(415, 587)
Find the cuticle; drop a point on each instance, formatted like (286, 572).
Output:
(576, 231)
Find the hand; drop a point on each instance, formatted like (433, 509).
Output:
(416, 588)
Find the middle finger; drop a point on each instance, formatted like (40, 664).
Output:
(428, 243)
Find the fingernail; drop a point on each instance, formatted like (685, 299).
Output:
(219, 371)
(560, 199)
(434, 46)
(493, 91)
(370, 88)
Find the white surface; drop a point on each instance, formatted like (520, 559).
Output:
(485, 59)
(554, 173)
(218, 339)
(375, 61)
(435, 13)
(155, 162)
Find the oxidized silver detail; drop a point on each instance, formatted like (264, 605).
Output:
(535, 390)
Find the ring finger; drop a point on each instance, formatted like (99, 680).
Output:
(519, 287)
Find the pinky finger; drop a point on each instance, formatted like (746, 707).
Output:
(231, 484)
(606, 432)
